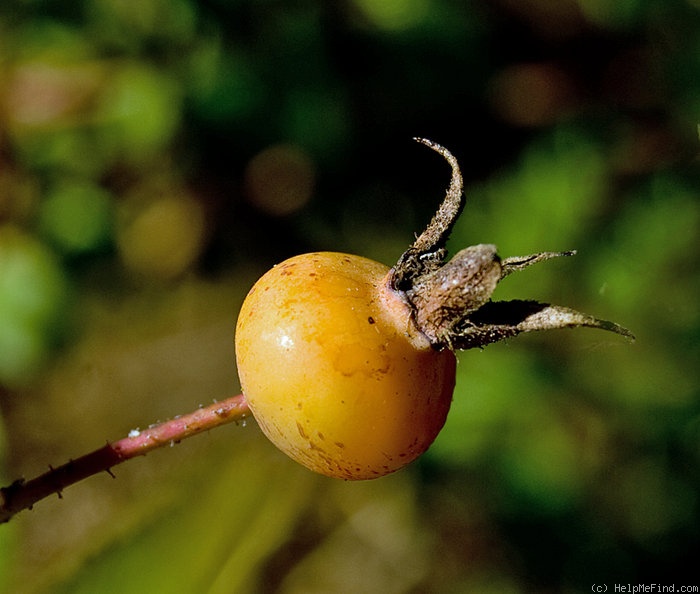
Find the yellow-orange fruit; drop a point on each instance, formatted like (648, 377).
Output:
(334, 369)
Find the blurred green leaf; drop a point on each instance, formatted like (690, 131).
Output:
(139, 113)
(77, 217)
(544, 201)
(492, 390)
(120, 24)
(214, 540)
(225, 86)
(317, 119)
(33, 291)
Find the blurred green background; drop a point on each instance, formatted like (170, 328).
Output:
(157, 156)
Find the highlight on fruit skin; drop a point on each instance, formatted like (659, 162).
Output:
(348, 366)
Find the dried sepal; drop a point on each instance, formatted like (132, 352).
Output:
(445, 296)
(428, 252)
(451, 301)
(498, 320)
(518, 263)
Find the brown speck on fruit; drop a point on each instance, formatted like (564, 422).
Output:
(370, 319)
(301, 431)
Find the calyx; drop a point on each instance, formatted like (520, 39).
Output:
(451, 299)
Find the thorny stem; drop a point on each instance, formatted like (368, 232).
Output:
(23, 494)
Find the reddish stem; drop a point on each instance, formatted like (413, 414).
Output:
(24, 494)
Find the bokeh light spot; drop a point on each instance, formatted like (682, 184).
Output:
(531, 94)
(139, 112)
(77, 217)
(394, 15)
(280, 179)
(32, 296)
(164, 238)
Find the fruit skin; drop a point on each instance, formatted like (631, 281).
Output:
(334, 369)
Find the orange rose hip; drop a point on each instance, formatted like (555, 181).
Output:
(334, 369)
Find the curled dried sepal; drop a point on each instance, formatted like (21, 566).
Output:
(428, 250)
(451, 301)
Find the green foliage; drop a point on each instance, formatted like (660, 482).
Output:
(131, 226)
(215, 546)
(77, 218)
(32, 295)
